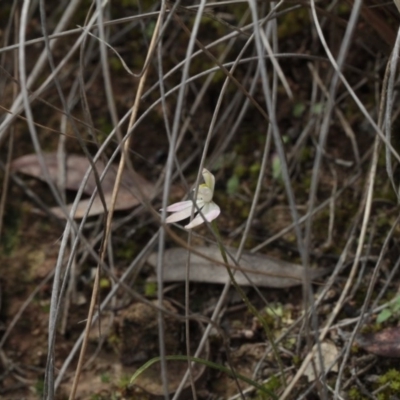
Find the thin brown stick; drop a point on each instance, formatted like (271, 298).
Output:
(103, 250)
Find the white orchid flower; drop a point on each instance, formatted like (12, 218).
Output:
(209, 209)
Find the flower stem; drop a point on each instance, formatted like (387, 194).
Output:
(246, 300)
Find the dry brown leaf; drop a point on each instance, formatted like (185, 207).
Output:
(329, 353)
(385, 343)
(264, 271)
(76, 166)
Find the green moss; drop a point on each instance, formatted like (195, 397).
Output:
(39, 388)
(355, 394)
(150, 289)
(273, 384)
(126, 251)
(390, 384)
(293, 23)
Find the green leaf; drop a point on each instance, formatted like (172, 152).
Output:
(396, 305)
(318, 108)
(232, 185)
(105, 283)
(276, 168)
(150, 289)
(299, 109)
(384, 315)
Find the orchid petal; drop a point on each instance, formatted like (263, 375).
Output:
(204, 193)
(179, 206)
(180, 215)
(209, 179)
(198, 220)
(185, 209)
(210, 211)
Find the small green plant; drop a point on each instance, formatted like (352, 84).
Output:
(277, 168)
(272, 385)
(392, 311)
(390, 382)
(355, 394)
(299, 109)
(39, 387)
(150, 289)
(232, 186)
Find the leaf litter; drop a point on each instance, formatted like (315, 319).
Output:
(128, 197)
(385, 343)
(262, 270)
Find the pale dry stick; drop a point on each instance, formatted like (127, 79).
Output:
(73, 273)
(350, 90)
(276, 65)
(220, 41)
(226, 288)
(50, 78)
(66, 107)
(10, 147)
(68, 116)
(75, 31)
(198, 100)
(56, 293)
(103, 305)
(368, 249)
(367, 211)
(389, 109)
(232, 131)
(219, 150)
(383, 104)
(367, 300)
(103, 147)
(312, 122)
(36, 144)
(56, 307)
(210, 131)
(112, 108)
(342, 119)
(272, 27)
(6, 179)
(331, 223)
(326, 288)
(40, 64)
(338, 66)
(344, 47)
(85, 55)
(118, 178)
(389, 280)
(202, 74)
(167, 185)
(71, 293)
(117, 22)
(397, 2)
(275, 129)
(120, 283)
(304, 218)
(202, 161)
(173, 136)
(281, 152)
(316, 382)
(232, 78)
(61, 181)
